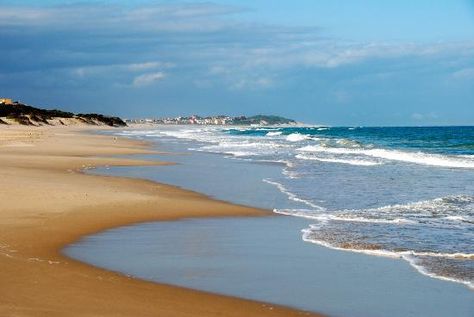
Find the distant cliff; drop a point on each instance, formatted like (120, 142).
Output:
(18, 113)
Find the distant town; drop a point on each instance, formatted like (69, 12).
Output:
(216, 120)
(16, 112)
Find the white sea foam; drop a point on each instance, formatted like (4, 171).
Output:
(290, 174)
(349, 143)
(227, 151)
(262, 129)
(189, 134)
(350, 218)
(239, 153)
(460, 219)
(455, 255)
(302, 213)
(285, 171)
(307, 238)
(445, 213)
(292, 196)
(297, 137)
(422, 215)
(240, 146)
(451, 208)
(274, 133)
(325, 217)
(395, 155)
(356, 162)
(414, 262)
(409, 256)
(128, 133)
(244, 144)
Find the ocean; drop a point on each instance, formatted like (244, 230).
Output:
(376, 194)
(403, 192)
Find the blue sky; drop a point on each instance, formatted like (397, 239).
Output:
(352, 62)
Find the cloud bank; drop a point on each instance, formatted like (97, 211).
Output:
(207, 47)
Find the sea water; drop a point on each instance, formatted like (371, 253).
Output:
(379, 220)
(403, 192)
(264, 259)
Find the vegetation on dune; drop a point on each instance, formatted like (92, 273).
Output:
(28, 115)
(111, 121)
(20, 118)
(19, 109)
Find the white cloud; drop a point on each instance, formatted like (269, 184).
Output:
(466, 73)
(238, 78)
(148, 79)
(115, 69)
(200, 38)
(242, 66)
(424, 116)
(190, 10)
(332, 54)
(252, 83)
(148, 66)
(159, 17)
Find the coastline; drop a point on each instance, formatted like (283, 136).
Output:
(47, 203)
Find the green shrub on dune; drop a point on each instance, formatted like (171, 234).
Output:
(28, 115)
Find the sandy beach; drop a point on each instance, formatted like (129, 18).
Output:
(46, 202)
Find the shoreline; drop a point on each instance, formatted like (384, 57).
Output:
(47, 203)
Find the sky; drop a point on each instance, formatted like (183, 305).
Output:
(334, 62)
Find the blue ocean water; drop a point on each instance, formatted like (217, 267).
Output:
(397, 192)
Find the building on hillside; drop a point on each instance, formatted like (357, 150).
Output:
(6, 101)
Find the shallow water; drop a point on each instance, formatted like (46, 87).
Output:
(265, 259)
(399, 192)
(392, 207)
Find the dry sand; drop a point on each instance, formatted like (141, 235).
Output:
(47, 203)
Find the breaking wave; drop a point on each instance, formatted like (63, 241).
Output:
(296, 137)
(356, 162)
(434, 236)
(359, 168)
(395, 155)
(292, 196)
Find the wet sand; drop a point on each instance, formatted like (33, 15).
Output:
(46, 203)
